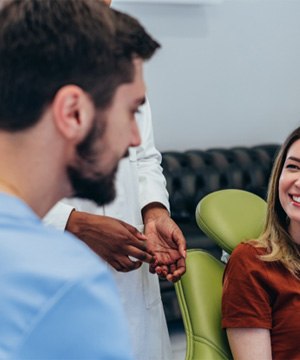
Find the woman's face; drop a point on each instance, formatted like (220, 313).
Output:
(289, 189)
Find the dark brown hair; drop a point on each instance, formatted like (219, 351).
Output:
(46, 44)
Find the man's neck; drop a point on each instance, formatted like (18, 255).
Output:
(26, 178)
(32, 164)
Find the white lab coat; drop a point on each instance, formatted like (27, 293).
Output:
(139, 182)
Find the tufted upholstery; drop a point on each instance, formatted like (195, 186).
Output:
(193, 174)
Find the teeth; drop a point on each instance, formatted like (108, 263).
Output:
(296, 198)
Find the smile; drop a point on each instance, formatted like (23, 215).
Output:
(295, 198)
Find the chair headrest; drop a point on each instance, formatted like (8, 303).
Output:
(231, 216)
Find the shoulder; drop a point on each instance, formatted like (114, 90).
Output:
(245, 271)
(246, 297)
(76, 296)
(63, 288)
(59, 254)
(247, 251)
(245, 259)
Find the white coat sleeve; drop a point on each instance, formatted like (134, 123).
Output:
(58, 216)
(152, 183)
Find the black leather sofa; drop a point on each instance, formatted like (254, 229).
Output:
(193, 174)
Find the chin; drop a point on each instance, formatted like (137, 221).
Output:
(101, 189)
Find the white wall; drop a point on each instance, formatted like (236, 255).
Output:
(227, 74)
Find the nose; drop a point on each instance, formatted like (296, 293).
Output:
(297, 182)
(135, 135)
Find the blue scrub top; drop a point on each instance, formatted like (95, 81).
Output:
(57, 298)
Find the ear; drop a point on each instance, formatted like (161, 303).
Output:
(73, 112)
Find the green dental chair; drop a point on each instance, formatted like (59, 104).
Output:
(227, 217)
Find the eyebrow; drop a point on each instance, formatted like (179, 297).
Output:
(293, 158)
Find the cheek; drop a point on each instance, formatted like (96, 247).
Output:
(122, 133)
(283, 181)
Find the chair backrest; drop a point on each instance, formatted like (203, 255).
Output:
(199, 296)
(227, 217)
(231, 216)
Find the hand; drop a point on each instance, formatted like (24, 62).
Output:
(166, 241)
(112, 239)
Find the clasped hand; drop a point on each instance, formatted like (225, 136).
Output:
(162, 246)
(114, 240)
(166, 241)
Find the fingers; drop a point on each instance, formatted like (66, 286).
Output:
(162, 270)
(138, 249)
(172, 272)
(134, 231)
(143, 256)
(178, 272)
(180, 241)
(152, 269)
(136, 245)
(126, 265)
(129, 243)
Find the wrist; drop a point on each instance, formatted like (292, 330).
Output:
(153, 211)
(74, 221)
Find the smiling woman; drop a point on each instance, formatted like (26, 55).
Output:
(289, 190)
(262, 278)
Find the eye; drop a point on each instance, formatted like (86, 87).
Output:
(292, 167)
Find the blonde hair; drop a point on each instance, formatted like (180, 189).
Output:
(275, 237)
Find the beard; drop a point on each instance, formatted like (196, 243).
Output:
(100, 189)
(86, 181)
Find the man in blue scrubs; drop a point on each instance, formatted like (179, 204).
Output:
(70, 85)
